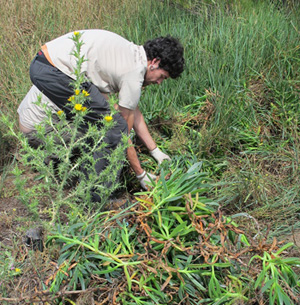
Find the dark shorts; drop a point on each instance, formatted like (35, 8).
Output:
(35, 141)
(57, 86)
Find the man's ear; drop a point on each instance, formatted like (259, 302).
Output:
(155, 61)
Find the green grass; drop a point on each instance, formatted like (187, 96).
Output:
(235, 108)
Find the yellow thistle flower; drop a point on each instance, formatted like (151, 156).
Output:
(60, 112)
(76, 33)
(85, 93)
(78, 107)
(77, 91)
(83, 109)
(108, 118)
(71, 98)
(18, 270)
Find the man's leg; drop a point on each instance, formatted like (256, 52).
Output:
(35, 142)
(112, 139)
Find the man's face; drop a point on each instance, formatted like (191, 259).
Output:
(154, 74)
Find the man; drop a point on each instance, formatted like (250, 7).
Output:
(113, 64)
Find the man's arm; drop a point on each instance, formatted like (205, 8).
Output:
(135, 119)
(142, 131)
(129, 116)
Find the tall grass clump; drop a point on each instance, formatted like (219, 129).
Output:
(232, 51)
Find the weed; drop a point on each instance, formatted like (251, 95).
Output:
(63, 164)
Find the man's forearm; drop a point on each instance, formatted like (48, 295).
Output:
(134, 160)
(129, 116)
(142, 130)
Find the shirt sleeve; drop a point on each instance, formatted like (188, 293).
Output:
(130, 94)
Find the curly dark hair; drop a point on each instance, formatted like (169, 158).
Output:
(170, 52)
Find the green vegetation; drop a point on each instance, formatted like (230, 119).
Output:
(208, 232)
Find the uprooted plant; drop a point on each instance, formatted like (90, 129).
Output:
(173, 245)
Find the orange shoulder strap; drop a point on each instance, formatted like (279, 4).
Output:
(45, 51)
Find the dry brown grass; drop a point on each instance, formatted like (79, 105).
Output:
(27, 24)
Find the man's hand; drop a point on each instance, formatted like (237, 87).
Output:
(145, 179)
(159, 156)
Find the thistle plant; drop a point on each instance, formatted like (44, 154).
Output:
(64, 163)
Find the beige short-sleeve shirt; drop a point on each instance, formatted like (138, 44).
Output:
(113, 64)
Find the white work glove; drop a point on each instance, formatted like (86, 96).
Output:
(145, 179)
(159, 156)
